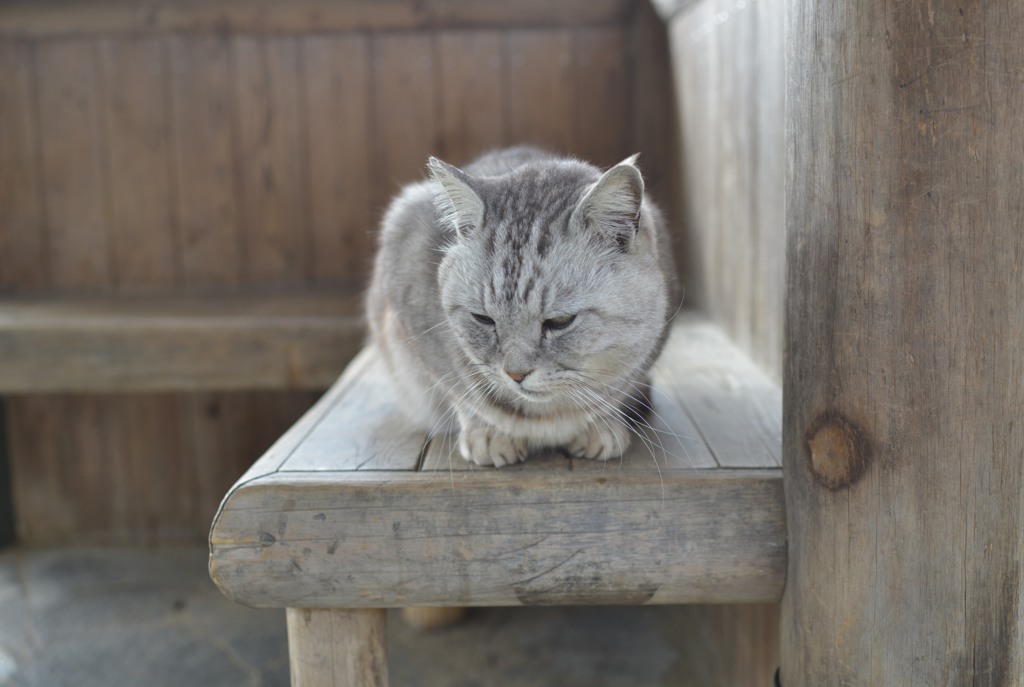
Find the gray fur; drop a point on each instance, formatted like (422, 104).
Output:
(523, 237)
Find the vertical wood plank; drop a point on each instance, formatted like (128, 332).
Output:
(89, 446)
(472, 88)
(729, 79)
(22, 240)
(603, 96)
(903, 441)
(271, 160)
(693, 65)
(43, 499)
(209, 226)
(148, 433)
(405, 109)
(137, 136)
(77, 214)
(732, 51)
(769, 199)
(542, 89)
(338, 130)
(229, 432)
(123, 470)
(219, 423)
(653, 128)
(725, 645)
(337, 647)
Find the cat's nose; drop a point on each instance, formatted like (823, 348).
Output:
(517, 377)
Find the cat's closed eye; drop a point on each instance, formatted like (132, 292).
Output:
(483, 319)
(560, 322)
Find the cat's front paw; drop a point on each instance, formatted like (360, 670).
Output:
(487, 446)
(600, 441)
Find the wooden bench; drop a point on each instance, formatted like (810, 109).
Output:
(158, 344)
(354, 511)
(174, 343)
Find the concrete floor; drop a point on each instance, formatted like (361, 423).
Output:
(130, 618)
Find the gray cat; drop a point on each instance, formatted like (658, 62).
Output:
(525, 298)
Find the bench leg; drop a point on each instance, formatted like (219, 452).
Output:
(337, 647)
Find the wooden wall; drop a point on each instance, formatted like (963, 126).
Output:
(729, 71)
(728, 61)
(225, 147)
(198, 163)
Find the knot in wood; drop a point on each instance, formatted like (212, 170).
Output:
(837, 451)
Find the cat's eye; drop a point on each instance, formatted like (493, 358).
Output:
(483, 319)
(560, 322)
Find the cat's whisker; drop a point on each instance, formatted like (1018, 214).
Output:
(646, 404)
(450, 413)
(682, 297)
(620, 414)
(414, 337)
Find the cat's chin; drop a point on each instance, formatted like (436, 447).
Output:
(531, 401)
(537, 401)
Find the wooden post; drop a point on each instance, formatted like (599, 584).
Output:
(904, 374)
(337, 648)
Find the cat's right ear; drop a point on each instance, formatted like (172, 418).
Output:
(612, 206)
(461, 209)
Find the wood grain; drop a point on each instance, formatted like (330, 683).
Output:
(23, 264)
(364, 430)
(61, 17)
(728, 66)
(136, 114)
(135, 469)
(769, 208)
(405, 110)
(74, 173)
(219, 427)
(602, 64)
(338, 110)
(162, 456)
(37, 435)
(337, 648)
(165, 344)
(725, 645)
(541, 71)
(471, 74)
(501, 538)
(271, 159)
(721, 390)
(209, 226)
(653, 126)
(283, 448)
(903, 440)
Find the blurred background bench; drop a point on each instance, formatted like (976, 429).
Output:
(184, 180)
(160, 154)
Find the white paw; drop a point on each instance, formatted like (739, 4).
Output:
(602, 440)
(486, 446)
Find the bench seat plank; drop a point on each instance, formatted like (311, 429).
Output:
(733, 402)
(507, 537)
(311, 526)
(364, 430)
(142, 344)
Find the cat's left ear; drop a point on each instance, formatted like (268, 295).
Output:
(612, 205)
(460, 207)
